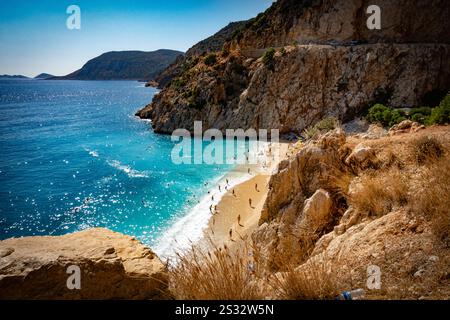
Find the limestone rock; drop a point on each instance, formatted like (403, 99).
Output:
(317, 210)
(405, 126)
(361, 157)
(112, 265)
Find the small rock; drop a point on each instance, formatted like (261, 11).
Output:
(419, 273)
(433, 259)
(361, 156)
(6, 252)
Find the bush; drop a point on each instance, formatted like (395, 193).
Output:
(194, 100)
(211, 59)
(178, 83)
(323, 126)
(268, 58)
(441, 114)
(385, 116)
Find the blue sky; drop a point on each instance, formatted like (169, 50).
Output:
(34, 37)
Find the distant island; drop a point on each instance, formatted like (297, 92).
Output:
(16, 76)
(44, 76)
(124, 65)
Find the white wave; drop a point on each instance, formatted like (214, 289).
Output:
(92, 153)
(132, 173)
(189, 228)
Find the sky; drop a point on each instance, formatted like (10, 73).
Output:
(34, 37)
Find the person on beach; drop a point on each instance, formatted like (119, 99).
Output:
(248, 170)
(256, 187)
(230, 233)
(250, 202)
(227, 181)
(212, 198)
(239, 221)
(220, 189)
(234, 193)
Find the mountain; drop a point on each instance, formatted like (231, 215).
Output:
(303, 60)
(124, 65)
(211, 44)
(216, 41)
(17, 76)
(44, 76)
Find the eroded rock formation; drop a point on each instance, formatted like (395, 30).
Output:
(112, 265)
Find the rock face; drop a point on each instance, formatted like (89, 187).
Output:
(310, 216)
(112, 266)
(344, 68)
(321, 21)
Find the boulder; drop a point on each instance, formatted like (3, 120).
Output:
(111, 265)
(362, 156)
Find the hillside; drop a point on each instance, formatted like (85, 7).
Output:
(44, 76)
(325, 62)
(211, 44)
(16, 76)
(124, 65)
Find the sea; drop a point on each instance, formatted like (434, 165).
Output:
(73, 156)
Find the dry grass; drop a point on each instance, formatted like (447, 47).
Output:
(427, 149)
(434, 199)
(381, 192)
(218, 275)
(312, 281)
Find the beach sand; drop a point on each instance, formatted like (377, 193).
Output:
(234, 212)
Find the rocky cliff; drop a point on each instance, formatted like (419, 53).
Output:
(344, 68)
(351, 202)
(112, 266)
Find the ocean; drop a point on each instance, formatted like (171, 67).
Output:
(74, 156)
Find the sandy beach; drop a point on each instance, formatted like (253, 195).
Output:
(238, 211)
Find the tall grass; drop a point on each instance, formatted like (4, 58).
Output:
(312, 281)
(222, 274)
(434, 199)
(380, 192)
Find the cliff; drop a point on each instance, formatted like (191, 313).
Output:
(124, 65)
(327, 62)
(211, 44)
(112, 266)
(349, 202)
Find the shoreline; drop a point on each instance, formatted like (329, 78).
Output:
(236, 218)
(201, 226)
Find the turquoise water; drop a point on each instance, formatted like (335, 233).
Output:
(73, 156)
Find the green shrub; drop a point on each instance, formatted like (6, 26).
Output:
(211, 59)
(268, 58)
(323, 126)
(441, 114)
(193, 99)
(225, 53)
(385, 116)
(179, 82)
